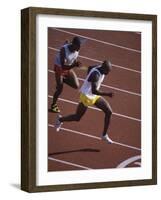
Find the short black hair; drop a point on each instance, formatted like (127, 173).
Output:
(76, 40)
(108, 64)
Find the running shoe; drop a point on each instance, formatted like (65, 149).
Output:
(107, 139)
(58, 124)
(54, 108)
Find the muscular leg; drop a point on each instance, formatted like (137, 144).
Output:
(71, 80)
(102, 104)
(59, 87)
(81, 109)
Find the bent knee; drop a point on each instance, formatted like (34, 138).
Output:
(77, 118)
(108, 112)
(76, 86)
(59, 88)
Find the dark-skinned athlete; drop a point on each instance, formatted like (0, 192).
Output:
(64, 63)
(91, 95)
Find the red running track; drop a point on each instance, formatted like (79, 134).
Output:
(78, 145)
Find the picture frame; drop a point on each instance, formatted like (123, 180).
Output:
(29, 96)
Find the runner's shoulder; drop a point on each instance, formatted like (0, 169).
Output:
(94, 76)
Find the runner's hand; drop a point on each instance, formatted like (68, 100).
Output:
(77, 64)
(111, 94)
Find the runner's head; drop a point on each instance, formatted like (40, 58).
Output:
(106, 67)
(76, 43)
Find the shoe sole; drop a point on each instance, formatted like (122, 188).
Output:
(55, 111)
(108, 141)
(58, 128)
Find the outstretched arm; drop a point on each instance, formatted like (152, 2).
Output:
(94, 77)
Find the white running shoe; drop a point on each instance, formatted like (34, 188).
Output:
(58, 124)
(106, 138)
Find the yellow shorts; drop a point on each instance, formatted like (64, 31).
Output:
(86, 101)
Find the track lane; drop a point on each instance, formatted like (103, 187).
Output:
(122, 130)
(125, 58)
(117, 78)
(122, 38)
(121, 103)
(78, 150)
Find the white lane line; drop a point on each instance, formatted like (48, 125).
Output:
(77, 132)
(100, 41)
(99, 61)
(114, 88)
(95, 137)
(128, 146)
(68, 163)
(117, 114)
(80, 133)
(137, 163)
(107, 86)
(128, 161)
(118, 66)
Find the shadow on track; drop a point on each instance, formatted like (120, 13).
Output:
(73, 151)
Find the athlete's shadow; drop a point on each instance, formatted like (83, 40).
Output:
(73, 151)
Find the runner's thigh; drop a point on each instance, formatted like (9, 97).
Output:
(72, 80)
(102, 104)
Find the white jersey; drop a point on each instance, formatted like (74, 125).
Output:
(70, 57)
(86, 88)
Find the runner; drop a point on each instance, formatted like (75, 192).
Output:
(65, 60)
(91, 95)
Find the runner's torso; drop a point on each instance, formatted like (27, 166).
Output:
(70, 57)
(86, 88)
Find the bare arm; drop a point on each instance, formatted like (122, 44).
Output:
(93, 79)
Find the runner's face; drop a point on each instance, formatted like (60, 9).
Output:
(106, 69)
(75, 47)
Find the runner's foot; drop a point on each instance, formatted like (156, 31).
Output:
(58, 124)
(106, 138)
(54, 108)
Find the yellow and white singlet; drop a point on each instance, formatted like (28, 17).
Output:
(86, 95)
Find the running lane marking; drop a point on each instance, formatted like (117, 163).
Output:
(114, 65)
(95, 137)
(99, 61)
(114, 88)
(69, 163)
(117, 114)
(128, 161)
(100, 41)
(137, 163)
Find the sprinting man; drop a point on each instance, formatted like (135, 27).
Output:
(91, 95)
(65, 60)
